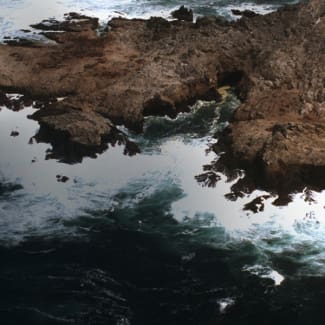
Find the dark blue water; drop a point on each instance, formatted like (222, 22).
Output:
(137, 240)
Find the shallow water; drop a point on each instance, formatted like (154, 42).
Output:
(137, 240)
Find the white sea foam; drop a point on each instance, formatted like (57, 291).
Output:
(265, 272)
(225, 304)
(20, 14)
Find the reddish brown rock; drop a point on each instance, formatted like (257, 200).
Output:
(280, 127)
(275, 63)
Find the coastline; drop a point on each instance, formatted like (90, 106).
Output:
(155, 67)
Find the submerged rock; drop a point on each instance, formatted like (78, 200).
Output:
(62, 178)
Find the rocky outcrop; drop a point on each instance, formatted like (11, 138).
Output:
(279, 130)
(183, 14)
(244, 13)
(78, 125)
(275, 64)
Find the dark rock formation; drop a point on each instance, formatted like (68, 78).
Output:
(275, 64)
(73, 22)
(183, 14)
(18, 41)
(62, 179)
(244, 13)
(14, 133)
(4, 101)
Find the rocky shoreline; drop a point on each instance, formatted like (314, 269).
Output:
(134, 68)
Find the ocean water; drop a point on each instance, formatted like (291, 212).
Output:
(19, 14)
(137, 240)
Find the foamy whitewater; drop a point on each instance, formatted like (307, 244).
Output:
(19, 14)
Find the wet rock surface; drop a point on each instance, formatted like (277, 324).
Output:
(275, 64)
(244, 13)
(14, 133)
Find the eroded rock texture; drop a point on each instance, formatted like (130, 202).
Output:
(140, 67)
(280, 127)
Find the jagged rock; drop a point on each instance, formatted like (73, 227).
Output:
(183, 14)
(73, 22)
(14, 133)
(244, 13)
(4, 100)
(62, 178)
(76, 125)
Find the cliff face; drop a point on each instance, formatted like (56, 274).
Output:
(280, 126)
(140, 67)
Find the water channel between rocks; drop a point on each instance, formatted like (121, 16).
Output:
(149, 207)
